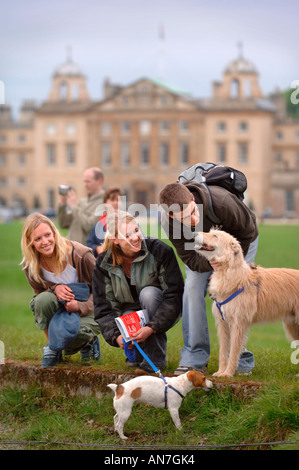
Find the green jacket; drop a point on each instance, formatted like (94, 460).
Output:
(156, 266)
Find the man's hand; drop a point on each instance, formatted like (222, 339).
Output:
(71, 198)
(215, 264)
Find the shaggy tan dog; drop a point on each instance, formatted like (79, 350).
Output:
(258, 295)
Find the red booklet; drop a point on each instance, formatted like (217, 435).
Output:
(130, 323)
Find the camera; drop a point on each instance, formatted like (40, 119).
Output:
(64, 189)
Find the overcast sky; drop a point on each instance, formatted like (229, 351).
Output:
(122, 40)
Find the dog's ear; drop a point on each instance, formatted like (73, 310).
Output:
(235, 247)
(197, 378)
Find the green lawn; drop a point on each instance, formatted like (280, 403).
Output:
(278, 246)
(216, 418)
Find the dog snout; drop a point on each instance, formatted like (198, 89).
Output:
(209, 385)
(198, 239)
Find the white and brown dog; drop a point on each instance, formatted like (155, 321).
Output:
(243, 296)
(156, 392)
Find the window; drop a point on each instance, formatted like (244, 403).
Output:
(164, 100)
(221, 126)
(106, 154)
(247, 89)
(278, 157)
(51, 129)
(70, 155)
(184, 153)
(21, 138)
(125, 127)
(125, 156)
(2, 159)
(106, 128)
(297, 158)
(279, 135)
(164, 126)
(164, 154)
(75, 91)
(290, 201)
(234, 89)
(71, 129)
(51, 198)
(3, 138)
(63, 91)
(21, 159)
(125, 101)
(145, 127)
(243, 153)
(144, 154)
(221, 153)
(243, 126)
(184, 126)
(21, 182)
(51, 157)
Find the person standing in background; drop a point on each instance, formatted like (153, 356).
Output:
(79, 216)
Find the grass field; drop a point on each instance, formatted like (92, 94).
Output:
(271, 416)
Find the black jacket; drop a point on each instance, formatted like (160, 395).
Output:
(234, 217)
(156, 266)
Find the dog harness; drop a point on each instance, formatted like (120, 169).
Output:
(219, 304)
(231, 297)
(131, 356)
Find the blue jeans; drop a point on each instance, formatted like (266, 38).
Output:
(155, 346)
(196, 350)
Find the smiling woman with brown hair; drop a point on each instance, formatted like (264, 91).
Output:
(51, 263)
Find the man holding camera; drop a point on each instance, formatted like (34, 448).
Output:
(80, 216)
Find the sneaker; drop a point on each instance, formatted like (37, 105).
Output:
(147, 369)
(91, 350)
(243, 372)
(132, 363)
(183, 369)
(50, 357)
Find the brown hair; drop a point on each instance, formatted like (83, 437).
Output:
(112, 193)
(175, 197)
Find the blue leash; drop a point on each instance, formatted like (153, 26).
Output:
(131, 355)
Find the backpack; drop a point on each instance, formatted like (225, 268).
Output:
(210, 174)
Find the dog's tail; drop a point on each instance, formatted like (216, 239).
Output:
(112, 386)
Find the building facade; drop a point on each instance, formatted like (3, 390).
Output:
(144, 134)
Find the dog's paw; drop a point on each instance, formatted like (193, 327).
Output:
(223, 374)
(219, 373)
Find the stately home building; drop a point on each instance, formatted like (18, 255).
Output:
(144, 134)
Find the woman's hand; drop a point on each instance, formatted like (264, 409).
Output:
(120, 342)
(64, 292)
(142, 334)
(72, 306)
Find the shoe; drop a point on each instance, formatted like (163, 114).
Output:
(132, 363)
(183, 369)
(91, 350)
(50, 357)
(146, 369)
(243, 372)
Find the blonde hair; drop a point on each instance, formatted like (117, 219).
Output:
(114, 221)
(31, 259)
